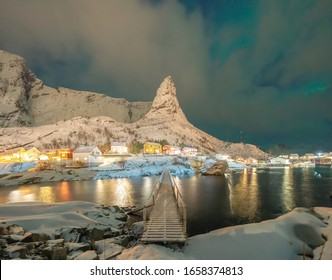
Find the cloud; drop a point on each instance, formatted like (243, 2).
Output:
(278, 81)
(264, 67)
(130, 44)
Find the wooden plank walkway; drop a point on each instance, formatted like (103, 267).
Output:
(166, 221)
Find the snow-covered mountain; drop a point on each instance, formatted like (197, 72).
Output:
(26, 101)
(32, 114)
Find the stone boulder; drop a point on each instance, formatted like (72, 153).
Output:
(88, 255)
(55, 253)
(15, 229)
(16, 251)
(3, 230)
(217, 169)
(72, 246)
(34, 237)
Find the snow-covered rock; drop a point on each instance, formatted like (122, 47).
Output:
(217, 169)
(76, 231)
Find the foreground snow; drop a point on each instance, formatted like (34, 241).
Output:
(298, 234)
(291, 236)
(47, 218)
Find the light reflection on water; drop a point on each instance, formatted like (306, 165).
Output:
(243, 197)
(21, 194)
(46, 194)
(65, 191)
(288, 197)
(212, 202)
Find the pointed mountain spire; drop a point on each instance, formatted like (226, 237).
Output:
(166, 103)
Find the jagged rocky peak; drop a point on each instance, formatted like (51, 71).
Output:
(16, 81)
(166, 102)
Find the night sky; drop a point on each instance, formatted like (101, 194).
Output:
(260, 67)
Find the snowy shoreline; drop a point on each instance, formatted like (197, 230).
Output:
(18, 174)
(84, 230)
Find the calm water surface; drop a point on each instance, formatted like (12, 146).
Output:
(212, 202)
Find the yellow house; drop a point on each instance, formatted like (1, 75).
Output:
(152, 148)
(13, 155)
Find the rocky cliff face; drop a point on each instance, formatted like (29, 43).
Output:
(166, 103)
(33, 114)
(15, 85)
(26, 101)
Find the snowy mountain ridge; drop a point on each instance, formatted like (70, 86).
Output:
(32, 114)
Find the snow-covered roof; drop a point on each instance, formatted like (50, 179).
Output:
(33, 149)
(84, 149)
(118, 144)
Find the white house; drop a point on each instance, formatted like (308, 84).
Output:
(309, 156)
(90, 155)
(278, 161)
(119, 148)
(171, 150)
(294, 157)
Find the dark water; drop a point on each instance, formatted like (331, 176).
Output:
(212, 202)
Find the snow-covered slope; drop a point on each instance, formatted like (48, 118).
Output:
(36, 115)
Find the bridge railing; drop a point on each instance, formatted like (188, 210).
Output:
(151, 200)
(180, 202)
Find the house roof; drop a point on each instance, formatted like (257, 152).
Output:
(171, 147)
(84, 149)
(33, 149)
(153, 144)
(118, 144)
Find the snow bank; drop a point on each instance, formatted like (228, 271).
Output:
(32, 177)
(291, 236)
(49, 218)
(8, 168)
(145, 166)
(286, 237)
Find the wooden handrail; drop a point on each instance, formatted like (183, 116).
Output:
(180, 202)
(151, 199)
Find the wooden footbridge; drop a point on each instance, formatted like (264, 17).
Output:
(165, 213)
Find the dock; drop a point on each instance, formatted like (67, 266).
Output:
(165, 213)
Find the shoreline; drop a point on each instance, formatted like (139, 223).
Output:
(131, 167)
(34, 177)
